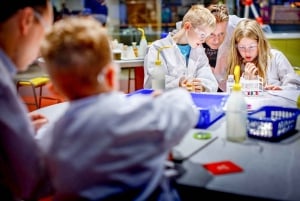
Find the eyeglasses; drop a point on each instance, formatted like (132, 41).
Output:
(201, 34)
(250, 48)
(213, 36)
(39, 17)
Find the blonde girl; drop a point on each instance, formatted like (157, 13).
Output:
(251, 50)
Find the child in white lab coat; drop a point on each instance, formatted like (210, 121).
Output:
(251, 50)
(184, 58)
(107, 146)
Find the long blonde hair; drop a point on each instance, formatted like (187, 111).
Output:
(249, 28)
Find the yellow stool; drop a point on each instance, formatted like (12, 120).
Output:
(37, 82)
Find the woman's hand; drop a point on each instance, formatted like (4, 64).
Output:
(37, 120)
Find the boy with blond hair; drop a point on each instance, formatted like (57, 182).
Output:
(107, 146)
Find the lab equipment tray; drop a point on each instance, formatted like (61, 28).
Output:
(272, 122)
(210, 106)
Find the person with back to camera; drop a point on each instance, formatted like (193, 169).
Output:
(107, 146)
(218, 42)
(22, 27)
(251, 50)
(185, 59)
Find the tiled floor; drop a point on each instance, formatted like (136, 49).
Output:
(45, 102)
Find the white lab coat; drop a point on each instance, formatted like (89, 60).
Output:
(112, 145)
(220, 70)
(175, 67)
(281, 73)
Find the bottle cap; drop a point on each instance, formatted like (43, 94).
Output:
(143, 33)
(158, 62)
(237, 73)
(236, 87)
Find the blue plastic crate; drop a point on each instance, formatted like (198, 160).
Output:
(210, 106)
(141, 91)
(272, 122)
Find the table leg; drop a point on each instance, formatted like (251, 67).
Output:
(139, 77)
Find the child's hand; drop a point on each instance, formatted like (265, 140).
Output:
(37, 120)
(272, 87)
(183, 82)
(197, 85)
(156, 93)
(251, 71)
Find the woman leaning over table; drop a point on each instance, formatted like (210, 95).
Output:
(217, 44)
(183, 56)
(251, 50)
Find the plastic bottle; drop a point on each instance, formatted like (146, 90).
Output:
(135, 49)
(229, 83)
(158, 76)
(236, 112)
(143, 44)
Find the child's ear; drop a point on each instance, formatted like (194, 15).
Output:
(187, 25)
(111, 76)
